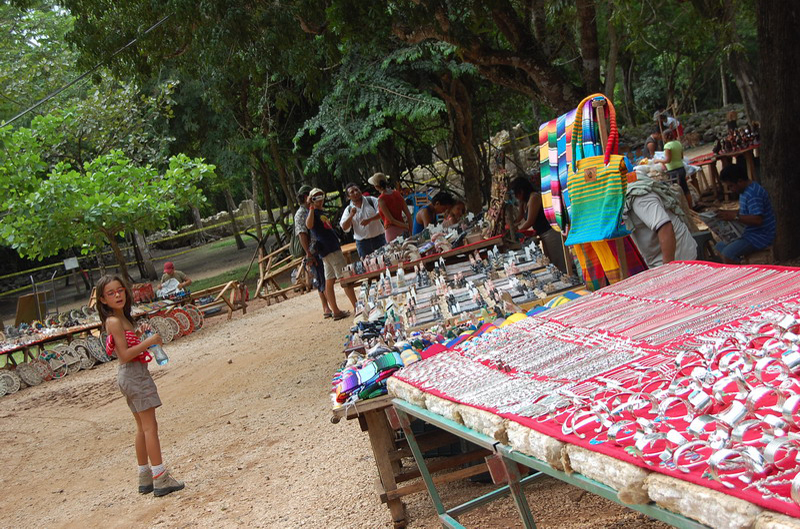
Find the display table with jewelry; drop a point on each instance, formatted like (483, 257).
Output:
(413, 315)
(679, 386)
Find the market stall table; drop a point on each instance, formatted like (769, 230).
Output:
(409, 265)
(709, 161)
(40, 341)
(377, 418)
(350, 252)
(748, 153)
(510, 474)
(656, 386)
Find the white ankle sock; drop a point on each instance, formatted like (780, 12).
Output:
(144, 469)
(158, 470)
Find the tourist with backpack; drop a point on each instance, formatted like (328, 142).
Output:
(362, 215)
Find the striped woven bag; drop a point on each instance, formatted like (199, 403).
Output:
(596, 183)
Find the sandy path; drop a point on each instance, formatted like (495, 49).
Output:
(245, 423)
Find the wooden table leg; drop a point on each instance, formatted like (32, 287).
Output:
(382, 441)
(715, 181)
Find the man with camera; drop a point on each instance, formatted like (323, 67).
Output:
(313, 263)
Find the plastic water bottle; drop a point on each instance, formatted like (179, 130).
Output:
(158, 351)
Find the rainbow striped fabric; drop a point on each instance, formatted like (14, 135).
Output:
(554, 159)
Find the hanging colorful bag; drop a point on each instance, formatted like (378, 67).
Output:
(596, 183)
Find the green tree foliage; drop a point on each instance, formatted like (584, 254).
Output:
(378, 99)
(35, 58)
(50, 208)
(255, 69)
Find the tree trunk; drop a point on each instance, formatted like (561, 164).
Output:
(148, 270)
(137, 255)
(199, 236)
(256, 207)
(746, 83)
(627, 89)
(122, 267)
(590, 50)
(538, 21)
(778, 41)
(613, 58)
(459, 107)
(724, 85)
(234, 226)
(283, 178)
(724, 12)
(267, 188)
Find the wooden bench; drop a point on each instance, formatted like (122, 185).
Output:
(231, 295)
(272, 266)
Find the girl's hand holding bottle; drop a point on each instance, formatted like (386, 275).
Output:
(153, 338)
(153, 343)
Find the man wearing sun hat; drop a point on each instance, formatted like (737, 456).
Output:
(171, 273)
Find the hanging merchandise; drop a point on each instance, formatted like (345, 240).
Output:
(600, 264)
(597, 183)
(554, 157)
(501, 208)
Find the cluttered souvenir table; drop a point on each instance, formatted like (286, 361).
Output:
(458, 252)
(679, 386)
(38, 338)
(408, 316)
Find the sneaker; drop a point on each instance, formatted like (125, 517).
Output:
(146, 482)
(165, 483)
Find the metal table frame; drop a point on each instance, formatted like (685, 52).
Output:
(509, 457)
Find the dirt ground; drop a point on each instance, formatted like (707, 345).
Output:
(246, 423)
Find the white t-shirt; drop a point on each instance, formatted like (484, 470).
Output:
(648, 214)
(369, 208)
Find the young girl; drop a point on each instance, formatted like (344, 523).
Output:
(135, 382)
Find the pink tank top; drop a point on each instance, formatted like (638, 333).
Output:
(132, 339)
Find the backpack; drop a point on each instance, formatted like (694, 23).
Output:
(295, 247)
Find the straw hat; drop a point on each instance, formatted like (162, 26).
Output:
(378, 179)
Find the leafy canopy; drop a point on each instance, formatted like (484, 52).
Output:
(48, 210)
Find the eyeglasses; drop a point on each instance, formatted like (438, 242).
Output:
(114, 293)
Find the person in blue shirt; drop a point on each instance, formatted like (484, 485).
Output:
(440, 203)
(755, 212)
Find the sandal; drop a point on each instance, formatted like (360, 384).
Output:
(342, 315)
(327, 315)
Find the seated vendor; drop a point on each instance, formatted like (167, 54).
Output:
(531, 216)
(455, 214)
(653, 143)
(440, 203)
(171, 273)
(755, 212)
(653, 213)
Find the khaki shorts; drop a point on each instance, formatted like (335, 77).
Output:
(138, 386)
(334, 265)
